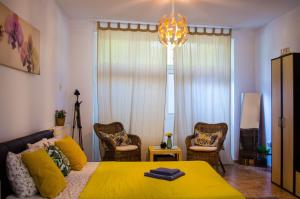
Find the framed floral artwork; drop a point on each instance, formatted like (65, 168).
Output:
(19, 42)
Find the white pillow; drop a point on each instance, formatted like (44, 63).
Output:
(52, 141)
(43, 143)
(20, 180)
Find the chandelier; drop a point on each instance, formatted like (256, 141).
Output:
(172, 29)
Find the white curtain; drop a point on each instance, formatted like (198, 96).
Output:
(202, 86)
(131, 83)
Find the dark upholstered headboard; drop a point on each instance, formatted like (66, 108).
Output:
(16, 146)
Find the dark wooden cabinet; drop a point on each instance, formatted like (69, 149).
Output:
(298, 183)
(286, 122)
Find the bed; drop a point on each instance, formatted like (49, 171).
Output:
(125, 180)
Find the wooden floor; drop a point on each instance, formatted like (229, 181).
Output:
(254, 182)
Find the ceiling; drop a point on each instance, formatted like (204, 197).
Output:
(226, 13)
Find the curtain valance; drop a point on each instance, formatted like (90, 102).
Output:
(138, 27)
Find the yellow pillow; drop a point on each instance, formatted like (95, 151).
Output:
(46, 175)
(73, 152)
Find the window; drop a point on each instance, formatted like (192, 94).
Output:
(170, 93)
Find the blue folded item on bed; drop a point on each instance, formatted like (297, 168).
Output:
(164, 171)
(165, 177)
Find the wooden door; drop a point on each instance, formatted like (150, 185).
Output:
(276, 121)
(288, 122)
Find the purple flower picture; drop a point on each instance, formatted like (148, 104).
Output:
(1, 32)
(14, 31)
(19, 42)
(28, 54)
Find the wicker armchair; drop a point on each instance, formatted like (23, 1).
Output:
(208, 154)
(108, 149)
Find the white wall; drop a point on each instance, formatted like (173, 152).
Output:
(244, 80)
(81, 76)
(280, 33)
(28, 102)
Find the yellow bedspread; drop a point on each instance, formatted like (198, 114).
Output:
(125, 180)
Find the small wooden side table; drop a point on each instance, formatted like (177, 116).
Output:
(156, 150)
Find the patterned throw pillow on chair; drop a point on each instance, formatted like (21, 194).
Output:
(59, 159)
(120, 138)
(207, 139)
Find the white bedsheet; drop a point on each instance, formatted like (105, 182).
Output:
(76, 182)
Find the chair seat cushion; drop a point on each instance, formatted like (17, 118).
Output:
(203, 148)
(126, 148)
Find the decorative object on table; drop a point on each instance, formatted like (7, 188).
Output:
(172, 29)
(19, 41)
(209, 154)
(109, 150)
(169, 140)
(164, 174)
(249, 128)
(262, 151)
(77, 119)
(163, 145)
(60, 117)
